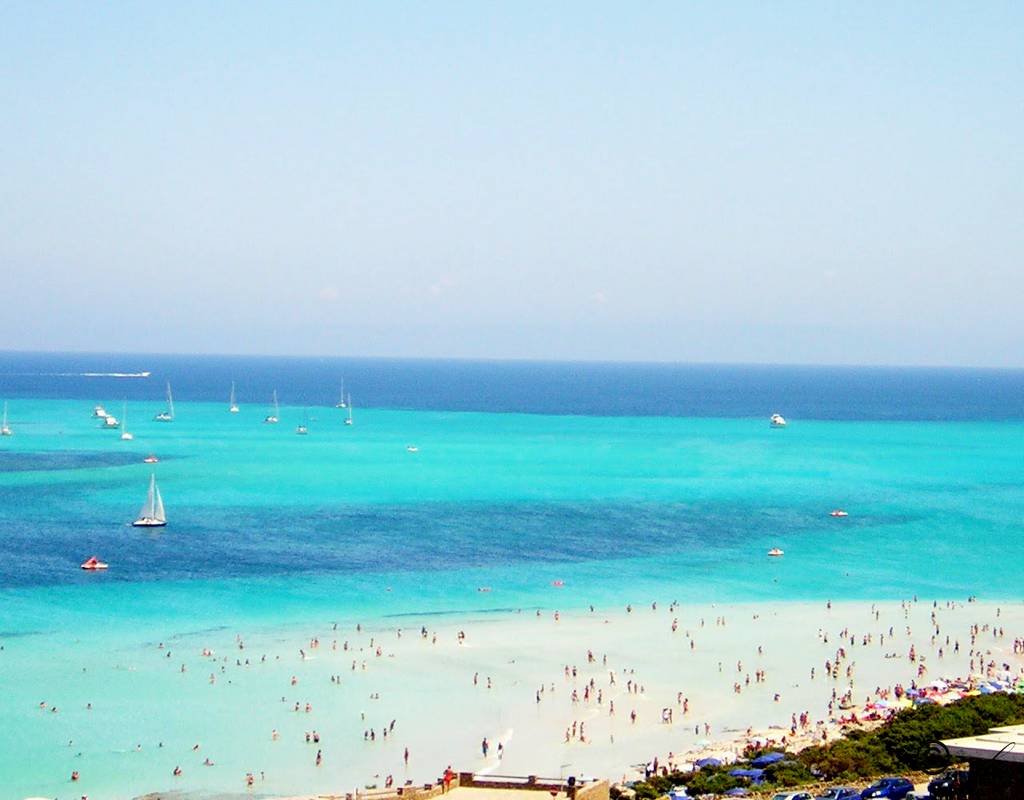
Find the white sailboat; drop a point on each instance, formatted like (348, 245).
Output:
(303, 429)
(168, 415)
(348, 405)
(272, 419)
(341, 400)
(233, 408)
(5, 429)
(152, 515)
(125, 435)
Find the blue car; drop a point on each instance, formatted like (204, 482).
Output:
(890, 788)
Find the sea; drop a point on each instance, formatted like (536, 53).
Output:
(469, 488)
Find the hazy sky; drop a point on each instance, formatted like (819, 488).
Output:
(782, 182)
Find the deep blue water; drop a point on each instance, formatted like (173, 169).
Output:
(603, 389)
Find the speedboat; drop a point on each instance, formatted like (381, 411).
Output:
(412, 448)
(150, 459)
(93, 563)
(775, 551)
(111, 422)
(839, 513)
(778, 421)
(99, 412)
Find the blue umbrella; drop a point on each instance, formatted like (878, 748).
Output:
(747, 773)
(707, 762)
(768, 758)
(737, 792)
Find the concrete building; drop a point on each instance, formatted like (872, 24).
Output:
(997, 762)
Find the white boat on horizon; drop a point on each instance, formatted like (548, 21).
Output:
(303, 428)
(233, 408)
(775, 552)
(341, 400)
(5, 429)
(125, 435)
(168, 415)
(152, 515)
(275, 417)
(778, 421)
(348, 405)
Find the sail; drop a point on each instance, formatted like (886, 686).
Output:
(170, 400)
(124, 417)
(147, 511)
(232, 393)
(158, 509)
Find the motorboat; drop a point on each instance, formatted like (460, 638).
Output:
(778, 421)
(150, 459)
(152, 515)
(839, 513)
(412, 448)
(110, 422)
(776, 552)
(303, 428)
(93, 563)
(99, 412)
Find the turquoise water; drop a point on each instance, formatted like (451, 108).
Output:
(270, 530)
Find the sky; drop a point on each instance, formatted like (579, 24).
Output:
(756, 182)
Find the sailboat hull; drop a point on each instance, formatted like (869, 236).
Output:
(148, 523)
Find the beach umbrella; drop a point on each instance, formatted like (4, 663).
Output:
(747, 773)
(707, 762)
(737, 792)
(768, 758)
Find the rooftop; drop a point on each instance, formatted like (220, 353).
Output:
(1006, 743)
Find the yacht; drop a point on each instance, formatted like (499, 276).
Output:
(275, 417)
(125, 435)
(99, 412)
(778, 421)
(168, 415)
(150, 459)
(233, 408)
(5, 429)
(303, 429)
(110, 422)
(775, 551)
(839, 513)
(152, 515)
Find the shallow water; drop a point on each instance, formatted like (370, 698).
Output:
(269, 531)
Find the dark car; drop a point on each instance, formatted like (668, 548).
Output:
(951, 785)
(839, 793)
(890, 788)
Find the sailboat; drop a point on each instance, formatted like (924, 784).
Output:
(341, 400)
(152, 515)
(233, 408)
(168, 415)
(348, 405)
(271, 419)
(5, 429)
(125, 435)
(303, 429)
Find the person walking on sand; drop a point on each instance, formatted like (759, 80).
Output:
(446, 782)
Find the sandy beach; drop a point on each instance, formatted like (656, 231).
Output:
(553, 693)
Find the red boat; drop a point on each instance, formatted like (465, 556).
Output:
(839, 513)
(93, 563)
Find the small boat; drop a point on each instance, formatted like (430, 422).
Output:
(110, 422)
(412, 448)
(150, 459)
(168, 415)
(275, 417)
(99, 412)
(348, 405)
(341, 400)
(5, 429)
(93, 563)
(303, 429)
(558, 584)
(125, 435)
(776, 552)
(778, 421)
(839, 513)
(233, 408)
(152, 515)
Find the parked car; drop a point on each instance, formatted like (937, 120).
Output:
(889, 788)
(951, 785)
(793, 796)
(839, 793)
